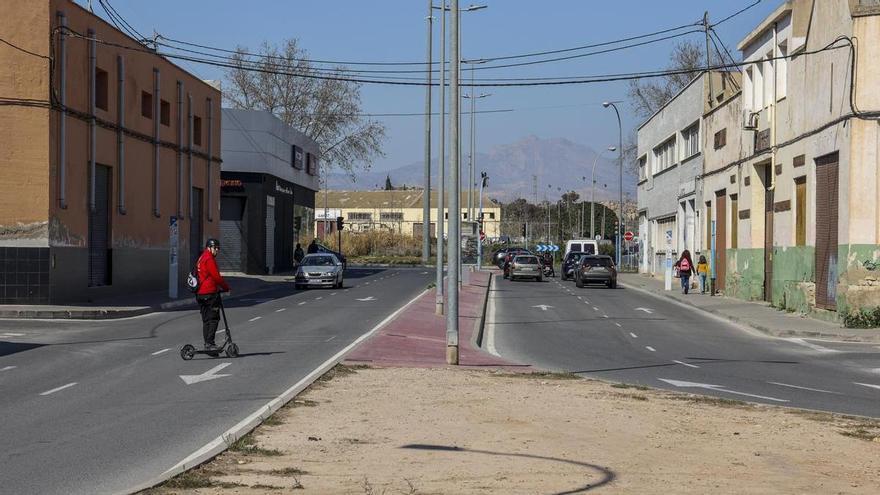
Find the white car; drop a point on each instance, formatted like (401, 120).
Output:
(319, 270)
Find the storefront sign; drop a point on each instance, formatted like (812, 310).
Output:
(231, 185)
(284, 190)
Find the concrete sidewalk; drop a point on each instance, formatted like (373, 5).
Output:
(417, 337)
(128, 305)
(758, 315)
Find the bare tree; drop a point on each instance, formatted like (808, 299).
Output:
(281, 79)
(647, 96)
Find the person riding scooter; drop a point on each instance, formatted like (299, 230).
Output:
(210, 285)
(547, 260)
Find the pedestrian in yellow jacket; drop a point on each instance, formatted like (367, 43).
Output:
(703, 272)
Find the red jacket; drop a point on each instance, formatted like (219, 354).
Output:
(210, 280)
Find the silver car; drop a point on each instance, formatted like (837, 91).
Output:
(319, 270)
(526, 266)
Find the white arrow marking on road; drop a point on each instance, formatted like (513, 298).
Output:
(686, 364)
(7, 368)
(868, 385)
(543, 307)
(371, 298)
(619, 325)
(804, 388)
(47, 392)
(717, 388)
(280, 310)
(646, 310)
(300, 304)
(161, 352)
(650, 348)
(208, 375)
(595, 308)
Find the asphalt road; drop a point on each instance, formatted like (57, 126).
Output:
(100, 406)
(629, 336)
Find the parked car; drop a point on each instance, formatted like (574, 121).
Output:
(527, 266)
(596, 270)
(319, 270)
(570, 263)
(324, 249)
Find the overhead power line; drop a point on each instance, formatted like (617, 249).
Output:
(731, 16)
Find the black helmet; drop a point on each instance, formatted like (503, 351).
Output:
(212, 243)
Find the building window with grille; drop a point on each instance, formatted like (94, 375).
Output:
(690, 139)
(664, 155)
(391, 216)
(721, 139)
(360, 217)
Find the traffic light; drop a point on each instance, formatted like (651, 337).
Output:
(340, 223)
(523, 230)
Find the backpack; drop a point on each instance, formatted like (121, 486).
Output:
(192, 279)
(684, 266)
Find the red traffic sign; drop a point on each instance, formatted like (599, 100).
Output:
(482, 236)
(628, 236)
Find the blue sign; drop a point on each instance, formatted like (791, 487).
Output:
(546, 248)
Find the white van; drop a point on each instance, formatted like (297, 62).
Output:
(588, 246)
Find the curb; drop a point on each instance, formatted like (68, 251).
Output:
(243, 427)
(480, 323)
(757, 326)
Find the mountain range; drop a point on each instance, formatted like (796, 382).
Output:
(557, 162)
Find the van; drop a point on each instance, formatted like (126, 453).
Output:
(588, 246)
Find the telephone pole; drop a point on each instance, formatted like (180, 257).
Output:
(454, 195)
(426, 199)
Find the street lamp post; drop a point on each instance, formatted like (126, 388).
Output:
(484, 180)
(454, 198)
(426, 199)
(620, 159)
(593, 193)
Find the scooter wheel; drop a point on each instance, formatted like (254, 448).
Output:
(187, 352)
(232, 350)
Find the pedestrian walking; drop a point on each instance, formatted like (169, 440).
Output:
(703, 273)
(685, 267)
(313, 247)
(208, 296)
(298, 254)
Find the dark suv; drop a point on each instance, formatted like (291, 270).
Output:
(596, 269)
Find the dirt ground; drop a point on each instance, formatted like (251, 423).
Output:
(451, 431)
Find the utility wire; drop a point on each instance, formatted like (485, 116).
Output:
(731, 16)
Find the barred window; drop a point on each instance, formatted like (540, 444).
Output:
(360, 217)
(391, 216)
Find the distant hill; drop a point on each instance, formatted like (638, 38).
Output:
(558, 162)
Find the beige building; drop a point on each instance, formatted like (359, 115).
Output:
(107, 149)
(791, 181)
(393, 211)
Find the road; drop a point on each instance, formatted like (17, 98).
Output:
(101, 406)
(629, 336)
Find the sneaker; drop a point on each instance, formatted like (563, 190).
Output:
(211, 347)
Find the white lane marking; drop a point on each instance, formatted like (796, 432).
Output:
(604, 316)
(871, 385)
(646, 310)
(221, 331)
(47, 392)
(333, 293)
(815, 347)
(227, 438)
(366, 299)
(280, 310)
(206, 376)
(804, 388)
(685, 364)
(331, 338)
(619, 325)
(717, 388)
(490, 320)
(163, 351)
(300, 304)
(633, 335)
(10, 334)
(650, 348)
(543, 307)
(319, 298)
(255, 318)
(595, 308)
(581, 298)
(7, 368)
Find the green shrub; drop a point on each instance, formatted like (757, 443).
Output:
(864, 318)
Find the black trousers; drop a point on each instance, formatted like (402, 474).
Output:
(209, 304)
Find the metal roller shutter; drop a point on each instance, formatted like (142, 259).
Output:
(826, 231)
(231, 234)
(99, 230)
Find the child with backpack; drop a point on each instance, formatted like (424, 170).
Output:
(703, 273)
(685, 266)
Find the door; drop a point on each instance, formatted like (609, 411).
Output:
(231, 233)
(768, 232)
(720, 240)
(99, 230)
(270, 234)
(826, 231)
(196, 243)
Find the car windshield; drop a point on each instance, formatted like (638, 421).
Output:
(589, 249)
(526, 260)
(318, 261)
(590, 261)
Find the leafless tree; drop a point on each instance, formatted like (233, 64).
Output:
(279, 78)
(647, 96)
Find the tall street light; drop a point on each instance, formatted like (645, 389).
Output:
(484, 181)
(426, 200)
(454, 197)
(620, 159)
(473, 143)
(441, 175)
(593, 192)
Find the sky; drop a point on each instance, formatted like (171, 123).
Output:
(396, 31)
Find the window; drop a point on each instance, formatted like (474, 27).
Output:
(721, 139)
(464, 215)
(360, 217)
(768, 80)
(164, 112)
(146, 104)
(490, 214)
(197, 131)
(748, 88)
(690, 141)
(660, 234)
(391, 216)
(101, 89)
(782, 70)
(800, 211)
(734, 221)
(664, 155)
(296, 157)
(643, 174)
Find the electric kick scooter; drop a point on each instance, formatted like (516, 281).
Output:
(189, 351)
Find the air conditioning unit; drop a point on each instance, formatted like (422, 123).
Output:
(750, 120)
